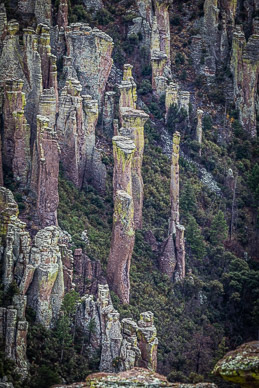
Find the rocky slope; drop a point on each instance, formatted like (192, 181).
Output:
(128, 163)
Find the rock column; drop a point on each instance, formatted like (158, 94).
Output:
(199, 128)
(123, 235)
(172, 259)
(133, 121)
(16, 134)
(123, 152)
(45, 170)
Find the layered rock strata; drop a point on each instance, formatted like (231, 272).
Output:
(172, 260)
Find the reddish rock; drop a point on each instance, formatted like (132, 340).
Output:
(16, 134)
(45, 170)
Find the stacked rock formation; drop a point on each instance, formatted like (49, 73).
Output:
(124, 344)
(179, 98)
(245, 70)
(160, 47)
(133, 121)
(123, 234)
(42, 271)
(172, 260)
(127, 186)
(37, 267)
(90, 52)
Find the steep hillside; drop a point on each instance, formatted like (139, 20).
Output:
(129, 141)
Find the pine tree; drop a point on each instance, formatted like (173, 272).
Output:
(194, 238)
(218, 229)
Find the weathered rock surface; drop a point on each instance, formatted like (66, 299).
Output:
(133, 121)
(37, 267)
(90, 51)
(13, 333)
(136, 377)
(122, 244)
(172, 259)
(123, 151)
(16, 133)
(124, 344)
(241, 366)
(245, 70)
(45, 170)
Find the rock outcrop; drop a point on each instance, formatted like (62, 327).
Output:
(36, 267)
(199, 128)
(176, 97)
(136, 377)
(123, 153)
(124, 344)
(13, 333)
(90, 52)
(172, 259)
(16, 133)
(133, 121)
(241, 366)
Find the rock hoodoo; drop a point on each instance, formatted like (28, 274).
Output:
(172, 260)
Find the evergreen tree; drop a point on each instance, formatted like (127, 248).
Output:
(218, 229)
(194, 238)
